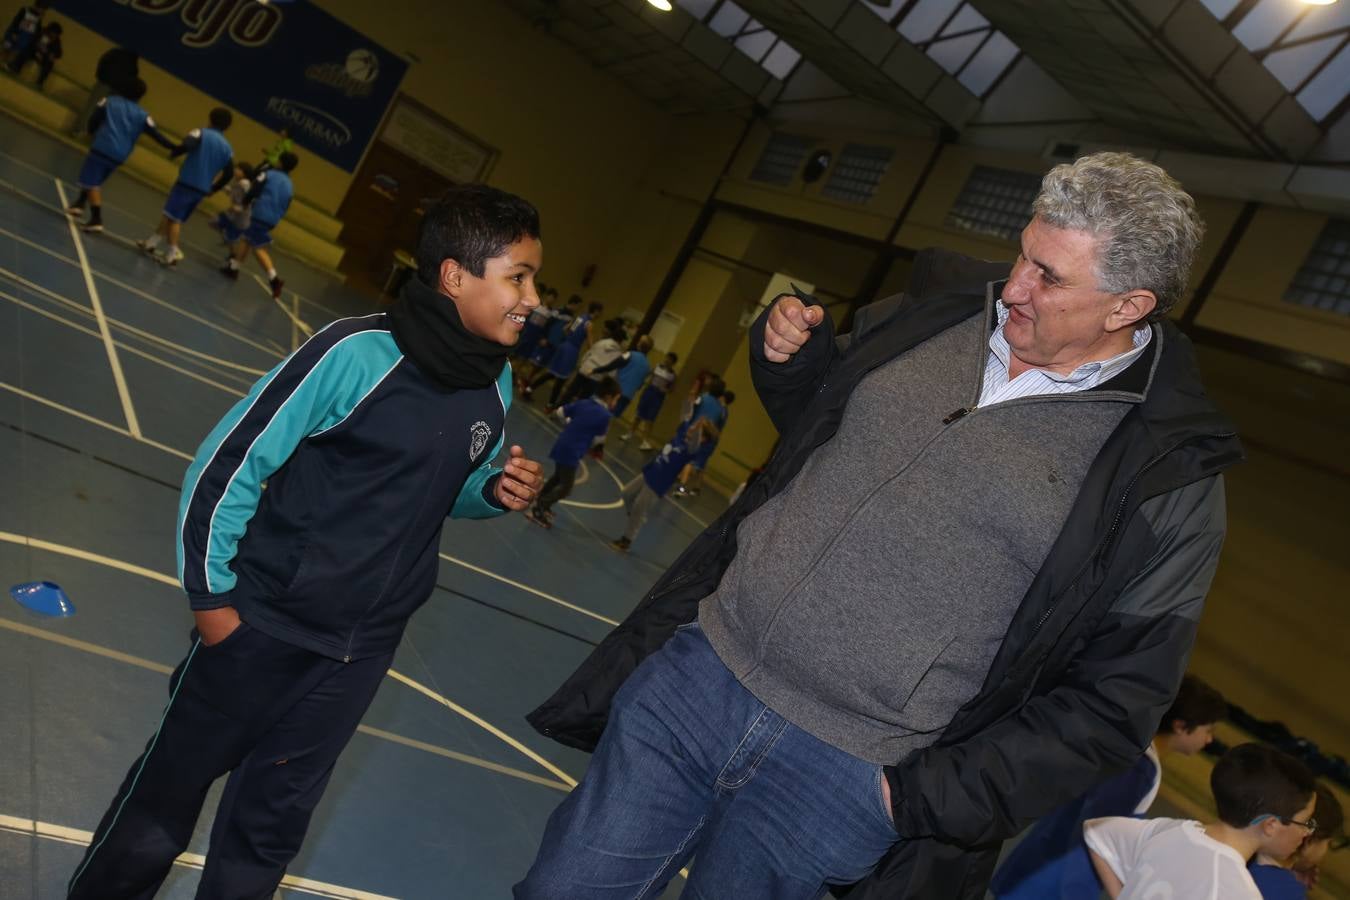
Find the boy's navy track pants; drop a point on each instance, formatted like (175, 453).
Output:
(271, 714)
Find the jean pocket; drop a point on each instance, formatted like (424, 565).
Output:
(884, 810)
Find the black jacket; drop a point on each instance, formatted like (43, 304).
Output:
(1093, 656)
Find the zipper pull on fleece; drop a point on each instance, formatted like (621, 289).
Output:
(952, 417)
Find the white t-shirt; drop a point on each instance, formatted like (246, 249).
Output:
(1169, 859)
(602, 353)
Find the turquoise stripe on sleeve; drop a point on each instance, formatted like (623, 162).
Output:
(470, 503)
(261, 432)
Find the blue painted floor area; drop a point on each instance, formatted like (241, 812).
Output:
(425, 803)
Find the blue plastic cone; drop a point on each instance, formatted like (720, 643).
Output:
(43, 597)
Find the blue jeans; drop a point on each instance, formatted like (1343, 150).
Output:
(691, 765)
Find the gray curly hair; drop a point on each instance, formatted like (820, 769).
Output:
(1146, 225)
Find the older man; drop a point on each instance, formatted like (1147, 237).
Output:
(963, 591)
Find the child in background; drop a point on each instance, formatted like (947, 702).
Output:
(1052, 860)
(587, 422)
(574, 340)
(1265, 800)
(632, 372)
(207, 169)
(1289, 879)
(233, 222)
(270, 197)
(658, 475)
(117, 122)
(44, 51)
(714, 419)
(652, 399)
(605, 356)
(23, 29)
(272, 154)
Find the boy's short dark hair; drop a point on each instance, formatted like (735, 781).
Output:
(715, 386)
(1329, 815)
(471, 223)
(671, 357)
(728, 398)
(574, 300)
(1256, 780)
(596, 308)
(221, 118)
(288, 161)
(134, 89)
(1196, 704)
(247, 168)
(608, 387)
(53, 28)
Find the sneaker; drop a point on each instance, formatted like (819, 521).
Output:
(621, 545)
(92, 227)
(74, 210)
(623, 439)
(232, 274)
(543, 520)
(276, 284)
(147, 246)
(646, 445)
(170, 257)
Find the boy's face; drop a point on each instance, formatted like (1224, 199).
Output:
(670, 361)
(496, 306)
(1312, 853)
(1190, 741)
(1280, 839)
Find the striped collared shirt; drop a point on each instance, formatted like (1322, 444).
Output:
(996, 387)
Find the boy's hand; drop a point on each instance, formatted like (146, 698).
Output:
(789, 327)
(215, 625)
(520, 482)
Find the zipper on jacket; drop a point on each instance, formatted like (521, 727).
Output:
(957, 414)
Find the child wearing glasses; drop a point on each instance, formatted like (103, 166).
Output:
(1052, 860)
(1265, 800)
(1289, 879)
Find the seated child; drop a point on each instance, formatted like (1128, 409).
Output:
(587, 422)
(1289, 879)
(1052, 860)
(1265, 801)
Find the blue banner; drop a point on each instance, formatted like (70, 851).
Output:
(286, 64)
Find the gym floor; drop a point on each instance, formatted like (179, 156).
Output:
(112, 369)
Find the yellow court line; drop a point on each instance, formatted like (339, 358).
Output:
(527, 589)
(133, 425)
(28, 395)
(135, 351)
(79, 837)
(38, 544)
(275, 350)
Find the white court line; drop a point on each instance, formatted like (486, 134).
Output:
(128, 410)
(296, 321)
(28, 395)
(66, 835)
(275, 350)
(215, 360)
(62, 549)
(128, 348)
(160, 668)
(527, 589)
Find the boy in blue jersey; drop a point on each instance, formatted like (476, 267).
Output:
(1289, 879)
(712, 410)
(207, 169)
(633, 372)
(658, 476)
(270, 197)
(587, 422)
(1052, 859)
(117, 122)
(368, 436)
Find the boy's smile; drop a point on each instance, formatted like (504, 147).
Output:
(496, 305)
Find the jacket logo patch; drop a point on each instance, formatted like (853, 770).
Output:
(479, 434)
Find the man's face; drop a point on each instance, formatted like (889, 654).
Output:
(496, 306)
(1058, 319)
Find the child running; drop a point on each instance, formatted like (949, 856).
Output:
(367, 437)
(117, 122)
(207, 169)
(1265, 801)
(270, 197)
(587, 422)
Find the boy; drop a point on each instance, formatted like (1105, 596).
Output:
(270, 197)
(116, 124)
(1052, 860)
(1289, 879)
(1265, 801)
(207, 169)
(633, 372)
(653, 398)
(712, 409)
(272, 154)
(301, 593)
(233, 222)
(23, 28)
(658, 476)
(573, 341)
(587, 422)
(45, 51)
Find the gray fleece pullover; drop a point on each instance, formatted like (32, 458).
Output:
(868, 599)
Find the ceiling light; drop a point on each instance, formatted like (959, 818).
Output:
(663, 5)
(1319, 2)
